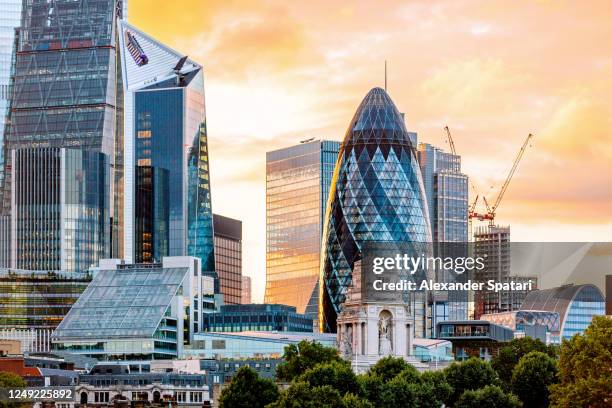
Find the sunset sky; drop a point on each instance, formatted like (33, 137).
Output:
(278, 72)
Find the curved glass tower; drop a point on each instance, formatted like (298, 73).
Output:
(376, 195)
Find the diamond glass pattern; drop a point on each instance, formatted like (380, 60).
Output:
(376, 195)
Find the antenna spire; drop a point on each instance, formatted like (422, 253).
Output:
(385, 75)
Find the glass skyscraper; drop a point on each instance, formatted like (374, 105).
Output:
(11, 18)
(376, 195)
(298, 179)
(165, 148)
(446, 190)
(65, 88)
(59, 208)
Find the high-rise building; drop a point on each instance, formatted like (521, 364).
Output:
(11, 18)
(228, 258)
(446, 190)
(297, 188)
(165, 148)
(493, 244)
(245, 297)
(256, 317)
(376, 195)
(59, 208)
(66, 89)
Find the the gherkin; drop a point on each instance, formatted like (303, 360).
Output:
(376, 195)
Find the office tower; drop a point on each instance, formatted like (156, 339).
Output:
(228, 257)
(376, 195)
(33, 303)
(65, 86)
(165, 146)
(297, 187)
(59, 208)
(492, 243)
(446, 190)
(11, 18)
(245, 297)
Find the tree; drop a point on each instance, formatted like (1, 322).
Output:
(532, 376)
(388, 367)
(302, 395)
(585, 368)
(372, 387)
(509, 355)
(441, 388)
(469, 375)
(399, 393)
(353, 401)
(338, 375)
(301, 357)
(10, 380)
(247, 390)
(490, 396)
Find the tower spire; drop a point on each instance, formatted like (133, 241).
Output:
(385, 75)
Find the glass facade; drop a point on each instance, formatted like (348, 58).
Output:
(298, 179)
(11, 18)
(165, 128)
(152, 196)
(145, 311)
(59, 209)
(65, 81)
(376, 195)
(575, 304)
(256, 317)
(228, 258)
(38, 299)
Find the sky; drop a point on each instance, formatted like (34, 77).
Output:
(277, 72)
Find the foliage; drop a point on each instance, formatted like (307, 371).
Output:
(585, 368)
(469, 375)
(399, 393)
(509, 355)
(490, 396)
(10, 380)
(302, 395)
(338, 375)
(372, 388)
(388, 367)
(410, 375)
(441, 388)
(247, 390)
(532, 376)
(353, 401)
(306, 354)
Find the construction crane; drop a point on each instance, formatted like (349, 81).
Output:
(450, 140)
(491, 209)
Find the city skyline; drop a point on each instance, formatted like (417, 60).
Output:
(295, 72)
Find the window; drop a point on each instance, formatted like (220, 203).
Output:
(181, 396)
(144, 134)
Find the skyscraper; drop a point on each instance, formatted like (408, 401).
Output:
(59, 208)
(446, 190)
(376, 195)
(11, 18)
(245, 297)
(165, 147)
(228, 257)
(297, 187)
(65, 87)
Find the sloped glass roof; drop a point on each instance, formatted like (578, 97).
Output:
(122, 304)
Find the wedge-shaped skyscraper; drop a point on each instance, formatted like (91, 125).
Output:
(165, 156)
(376, 195)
